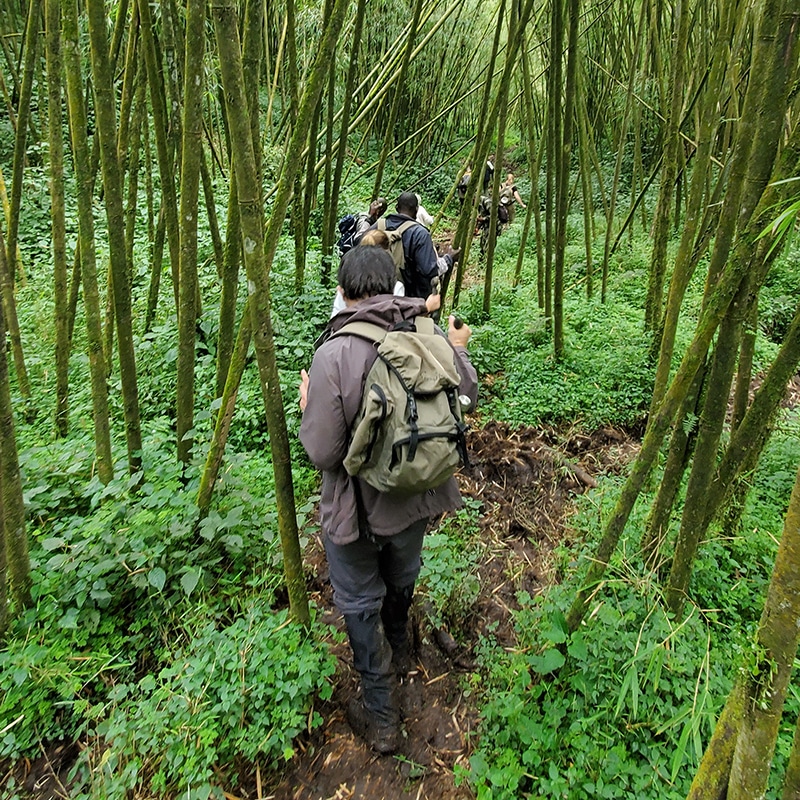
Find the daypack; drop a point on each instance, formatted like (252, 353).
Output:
(396, 250)
(348, 229)
(409, 435)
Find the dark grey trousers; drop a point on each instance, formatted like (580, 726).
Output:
(360, 571)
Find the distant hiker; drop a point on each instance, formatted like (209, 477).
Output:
(488, 176)
(423, 217)
(508, 195)
(373, 539)
(353, 226)
(483, 220)
(376, 238)
(462, 185)
(420, 263)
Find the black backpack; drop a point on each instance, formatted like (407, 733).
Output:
(348, 227)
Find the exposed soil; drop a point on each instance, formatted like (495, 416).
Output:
(526, 479)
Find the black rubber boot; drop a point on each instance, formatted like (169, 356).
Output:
(394, 614)
(375, 717)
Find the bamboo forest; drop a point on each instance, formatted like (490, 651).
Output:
(204, 594)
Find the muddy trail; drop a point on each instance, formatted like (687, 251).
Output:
(526, 479)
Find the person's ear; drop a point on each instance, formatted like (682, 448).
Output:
(340, 290)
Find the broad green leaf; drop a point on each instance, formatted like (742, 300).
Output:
(189, 580)
(157, 578)
(549, 661)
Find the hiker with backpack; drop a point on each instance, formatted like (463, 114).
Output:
(353, 226)
(382, 407)
(509, 194)
(462, 185)
(413, 251)
(376, 238)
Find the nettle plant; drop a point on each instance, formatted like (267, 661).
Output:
(449, 576)
(156, 635)
(235, 692)
(620, 709)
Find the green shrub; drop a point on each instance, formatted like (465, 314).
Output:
(626, 714)
(241, 691)
(449, 574)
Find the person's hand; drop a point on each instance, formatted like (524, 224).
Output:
(454, 253)
(458, 336)
(433, 302)
(303, 389)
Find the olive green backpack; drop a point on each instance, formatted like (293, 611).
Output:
(409, 435)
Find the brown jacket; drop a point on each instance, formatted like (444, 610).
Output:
(336, 382)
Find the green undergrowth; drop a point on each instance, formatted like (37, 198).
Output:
(625, 706)
(159, 640)
(605, 377)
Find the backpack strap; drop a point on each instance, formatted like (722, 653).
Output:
(374, 333)
(401, 229)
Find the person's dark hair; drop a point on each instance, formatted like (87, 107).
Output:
(366, 271)
(407, 203)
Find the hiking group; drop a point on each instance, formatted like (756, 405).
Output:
(382, 407)
(507, 197)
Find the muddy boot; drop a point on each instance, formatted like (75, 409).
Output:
(394, 614)
(374, 717)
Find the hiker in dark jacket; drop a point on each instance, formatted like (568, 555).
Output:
(422, 263)
(373, 540)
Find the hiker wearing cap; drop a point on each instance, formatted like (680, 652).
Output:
(421, 263)
(373, 538)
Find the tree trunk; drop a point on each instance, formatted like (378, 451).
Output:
(259, 251)
(621, 137)
(681, 447)
(669, 171)
(534, 159)
(685, 263)
(469, 209)
(191, 154)
(13, 506)
(732, 273)
(3, 560)
(57, 219)
(400, 86)
(163, 151)
(562, 191)
(791, 778)
(341, 153)
(237, 362)
(30, 52)
(772, 661)
(711, 780)
(714, 411)
(744, 371)
(112, 191)
(230, 287)
(91, 296)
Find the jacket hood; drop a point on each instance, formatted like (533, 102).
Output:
(384, 310)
